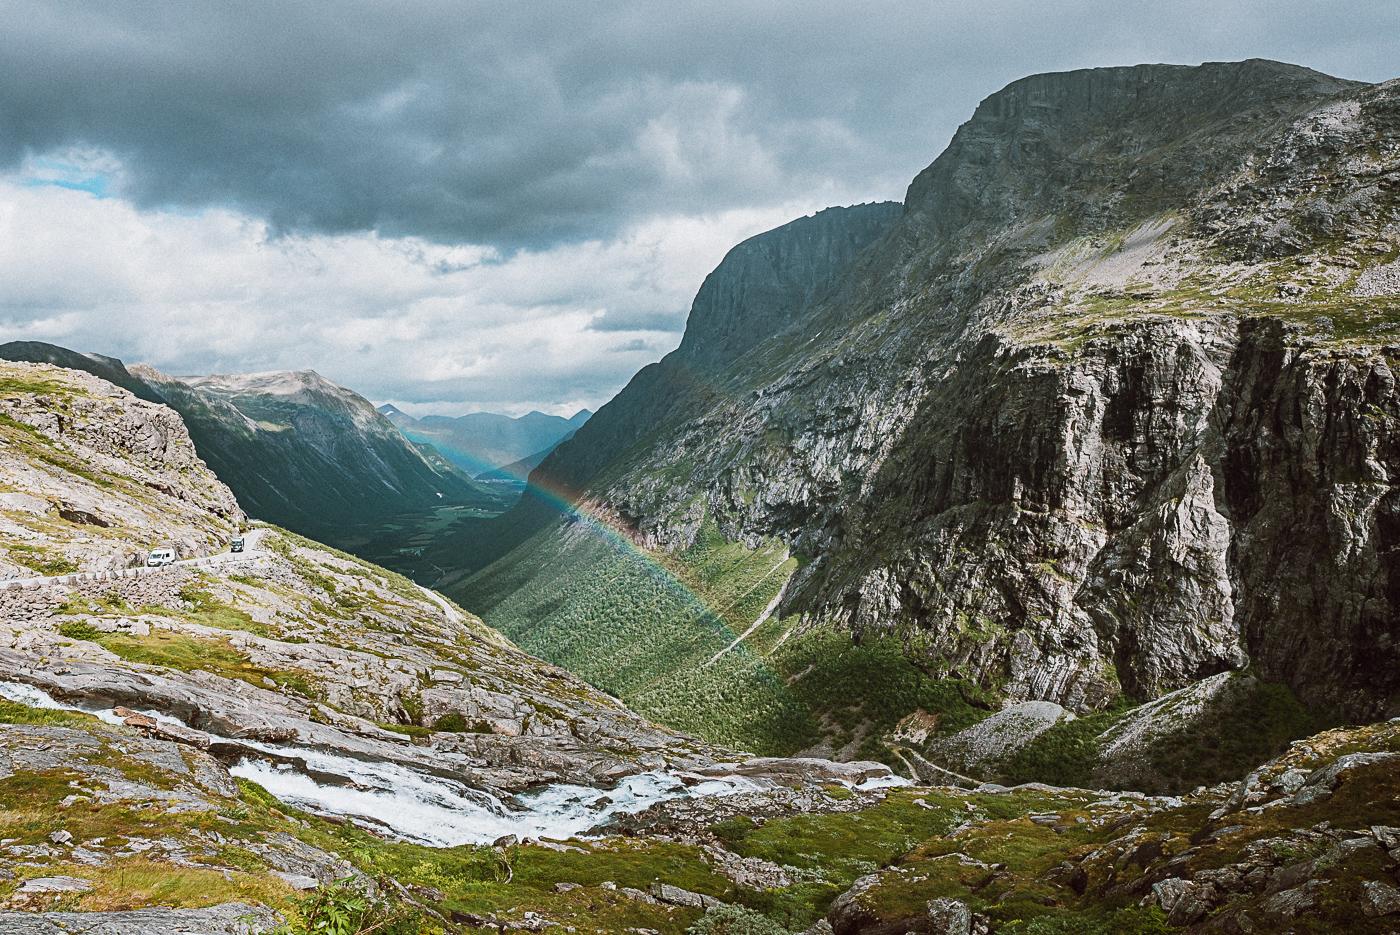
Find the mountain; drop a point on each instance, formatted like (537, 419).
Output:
(481, 442)
(517, 473)
(289, 740)
(1105, 414)
(295, 448)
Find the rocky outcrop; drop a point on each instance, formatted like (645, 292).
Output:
(768, 283)
(226, 919)
(94, 477)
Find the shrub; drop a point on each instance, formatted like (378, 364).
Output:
(343, 908)
(735, 920)
(78, 630)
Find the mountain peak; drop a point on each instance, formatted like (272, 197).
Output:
(269, 383)
(763, 285)
(1108, 143)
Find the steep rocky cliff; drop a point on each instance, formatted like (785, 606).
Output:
(1069, 464)
(1110, 408)
(92, 478)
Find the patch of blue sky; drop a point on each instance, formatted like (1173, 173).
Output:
(59, 174)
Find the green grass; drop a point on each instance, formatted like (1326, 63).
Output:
(29, 386)
(209, 611)
(39, 559)
(12, 712)
(1245, 725)
(79, 630)
(1330, 315)
(648, 626)
(187, 653)
(1064, 755)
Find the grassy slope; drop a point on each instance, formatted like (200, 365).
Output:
(645, 626)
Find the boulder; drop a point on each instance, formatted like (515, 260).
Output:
(53, 885)
(949, 917)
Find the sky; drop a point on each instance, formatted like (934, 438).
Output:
(508, 205)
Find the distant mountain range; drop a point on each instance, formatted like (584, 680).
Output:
(297, 449)
(487, 445)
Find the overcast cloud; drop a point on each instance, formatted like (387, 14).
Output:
(498, 205)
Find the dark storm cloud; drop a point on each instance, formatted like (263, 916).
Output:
(529, 123)
(503, 205)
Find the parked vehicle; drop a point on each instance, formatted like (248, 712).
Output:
(159, 557)
(236, 545)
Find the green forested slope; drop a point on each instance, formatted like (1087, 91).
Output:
(656, 629)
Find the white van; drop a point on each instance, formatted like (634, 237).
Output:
(159, 557)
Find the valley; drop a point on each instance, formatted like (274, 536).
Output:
(1017, 559)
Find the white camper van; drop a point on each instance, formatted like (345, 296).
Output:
(159, 557)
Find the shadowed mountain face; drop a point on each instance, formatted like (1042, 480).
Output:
(1072, 428)
(295, 448)
(483, 442)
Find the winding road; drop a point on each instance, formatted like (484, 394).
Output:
(252, 547)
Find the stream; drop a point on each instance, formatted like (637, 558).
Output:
(404, 803)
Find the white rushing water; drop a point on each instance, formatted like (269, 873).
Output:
(443, 813)
(38, 698)
(427, 809)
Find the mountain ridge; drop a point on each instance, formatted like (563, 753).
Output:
(296, 448)
(484, 442)
(1021, 448)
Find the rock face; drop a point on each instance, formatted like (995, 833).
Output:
(94, 477)
(130, 702)
(1108, 410)
(767, 284)
(296, 449)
